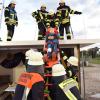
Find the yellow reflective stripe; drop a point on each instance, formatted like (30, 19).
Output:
(61, 37)
(70, 95)
(48, 20)
(69, 83)
(70, 73)
(65, 21)
(65, 57)
(72, 11)
(9, 37)
(33, 14)
(41, 16)
(59, 15)
(40, 36)
(7, 9)
(69, 34)
(48, 24)
(56, 23)
(6, 17)
(56, 19)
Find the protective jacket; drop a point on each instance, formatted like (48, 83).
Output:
(63, 13)
(40, 15)
(72, 72)
(10, 16)
(52, 21)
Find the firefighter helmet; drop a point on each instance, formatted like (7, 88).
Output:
(34, 57)
(13, 2)
(62, 1)
(58, 70)
(43, 6)
(51, 12)
(73, 60)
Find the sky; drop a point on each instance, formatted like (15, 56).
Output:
(85, 26)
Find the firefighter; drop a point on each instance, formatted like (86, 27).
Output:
(52, 20)
(63, 88)
(40, 16)
(72, 67)
(30, 85)
(63, 12)
(11, 19)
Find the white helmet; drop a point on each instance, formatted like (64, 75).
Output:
(34, 57)
(43, 5)
(62, 1)
(51, 12)
(13, 2)
(73, 61)
(58, 70)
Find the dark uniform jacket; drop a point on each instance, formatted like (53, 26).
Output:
(63, 13)
(10, 15)
(40, 15)
(52, 21)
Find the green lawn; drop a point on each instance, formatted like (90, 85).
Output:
(95, 60)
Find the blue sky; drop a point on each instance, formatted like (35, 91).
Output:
(85, 26)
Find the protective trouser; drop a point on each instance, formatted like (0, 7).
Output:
(67, 29)
(10, 34)
(42, 30)
(30, 87)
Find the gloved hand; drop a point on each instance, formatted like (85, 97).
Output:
(77, 12)
(6, 20)
(16, 23)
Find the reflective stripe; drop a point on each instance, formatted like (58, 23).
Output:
(56, 23)
(40, 15)
(6, 17)
(28, 79)
(65, 21)
(9, 37)
(70, 73)
(65, 57)
(47, 24)
(7, 9)
(61, 37)
(40, 36)
(66, 86)
(70, 95)
(68, 34)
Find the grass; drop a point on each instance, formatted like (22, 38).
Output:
(95, 60)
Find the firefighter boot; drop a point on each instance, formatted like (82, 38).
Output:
(9, 36)
(69, 37)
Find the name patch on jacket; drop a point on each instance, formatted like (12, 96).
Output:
(29, 79)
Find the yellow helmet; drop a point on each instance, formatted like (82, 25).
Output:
(62, 1)
(43, 6)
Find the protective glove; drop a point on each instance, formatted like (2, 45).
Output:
(6, 20)
(16, 23)
(77, 12)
